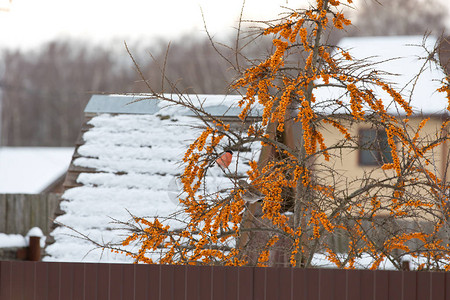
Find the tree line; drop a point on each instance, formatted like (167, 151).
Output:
(44, 91)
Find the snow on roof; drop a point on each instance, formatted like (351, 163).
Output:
(217, 105)
(403, 58)
(30, 170)
(136, 158)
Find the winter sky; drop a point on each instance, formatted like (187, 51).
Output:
(27, 23)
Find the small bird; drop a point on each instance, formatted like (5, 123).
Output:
(225, 159)
(251, 194)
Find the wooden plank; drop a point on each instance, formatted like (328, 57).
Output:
(11, 216)
(3, 213)
(32, 208)
(52, 206)
(18, 218)
(71, 180)
(21, 212)
(78, 169)
(41, 213)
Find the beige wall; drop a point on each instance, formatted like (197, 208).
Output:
(347, 160)
(345, 172)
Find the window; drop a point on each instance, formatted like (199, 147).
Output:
(374, 147)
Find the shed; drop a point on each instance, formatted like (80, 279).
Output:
(33, 170)
(127, 161)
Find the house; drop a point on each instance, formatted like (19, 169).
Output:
(399, 60)
(127, 162)
(31, 179)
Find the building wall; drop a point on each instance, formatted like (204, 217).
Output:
(346, 162)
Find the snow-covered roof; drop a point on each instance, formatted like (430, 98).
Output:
(216, 105)
(133, 161)
(30, 170)
(403, 58)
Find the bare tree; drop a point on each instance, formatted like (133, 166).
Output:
(44, 92)
(399, 17)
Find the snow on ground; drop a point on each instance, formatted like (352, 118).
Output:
(29, 170)
(137, 159)
(365, 261)
(398, 59)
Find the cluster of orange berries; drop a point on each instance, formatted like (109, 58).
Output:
(445, 88)
(340, 21)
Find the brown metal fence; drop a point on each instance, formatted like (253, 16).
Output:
(40, 280)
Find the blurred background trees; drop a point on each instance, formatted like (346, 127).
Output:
(43, 92)
(399, 17)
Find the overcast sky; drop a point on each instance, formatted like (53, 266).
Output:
(27, 23)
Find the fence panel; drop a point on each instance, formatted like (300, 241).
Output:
(21, 212)
(41, 280)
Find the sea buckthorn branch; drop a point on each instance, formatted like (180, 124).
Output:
(322, 207)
